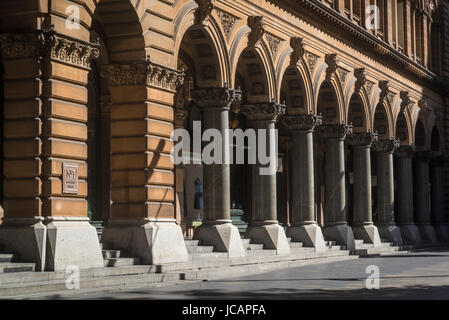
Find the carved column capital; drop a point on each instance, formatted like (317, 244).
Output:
(405, 151)
(334, 131)
(144, 73)
(362, 139)
(302, 122)
(386, 145)
(180, 116)
(204, 9)
(257, 26)
(263, 111)
(216, 98)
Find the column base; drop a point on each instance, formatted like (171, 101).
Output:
(442, 232)
(223, 237)
(272, 236)
(26, 239)
(153, 241)
(368, 233)
(342, 234)
(428, 233)
(72, 241)
(410, 233)
(310, 235)
(390, 233)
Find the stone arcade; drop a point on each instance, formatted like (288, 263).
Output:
(361, 113)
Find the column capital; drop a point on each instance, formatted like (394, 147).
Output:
(423, 154)
(334, 131)
(405, 151)
(270, 111)
(180, 116)
(302, 122)
(48, 44)
(216, 97)
(143, 73)
(386, 145)
(362, 139)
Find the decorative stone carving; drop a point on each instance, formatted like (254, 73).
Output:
(365, 139)
(180, 116)
(302, 122)
(369, 86)
(360, 74)
(334, 131)
(385, 90)
(406, 103)
(48, 44)
(263, 111)
(297, 44)
(212, 98)
(405, 151)
(386, 145)
(227, 20)
(273, 42)
(257, 30)
(311, 61)
(332, 64)
(342, 73)
(424, 106)
(204, 9)
(143, 73)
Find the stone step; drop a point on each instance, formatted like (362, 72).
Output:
(330, 243)
(16, 289)
(208, 255)
(191, 243)
(7, 267)
(264, 252)
(199, 249)
(108, 254)
(357, 242)
(364, 246)
(246, 241)
(335, 247)
(120, 262)
(5, 258)
(296, 244)
(254, 246)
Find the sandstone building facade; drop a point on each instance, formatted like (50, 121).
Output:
(89, 106)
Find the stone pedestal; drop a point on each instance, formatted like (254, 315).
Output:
(388, 230)
(304, 227)
(405, 221)
(264, 227)
(154, 241)
(335, 216)
(422, 187)
(362, 225)
(217, 229)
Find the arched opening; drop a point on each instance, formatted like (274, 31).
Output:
(199, 59)
(327, 104)
(420, 135)
(435, 140)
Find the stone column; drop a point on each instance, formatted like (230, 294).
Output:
(264, 227)
(45, 151)
(437, 199)
(422, 197)
(388, 230)
(304, 227)
(142, 173)
(217, 229)
(336, 226)
(180, 116)
(404, 170)
(362, 224)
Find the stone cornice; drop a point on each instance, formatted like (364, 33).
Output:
(145, 73)
(263, 111)
(302, 122)
(48, 44)
(360, 35)
(216, 97)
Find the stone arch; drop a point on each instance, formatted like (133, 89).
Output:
(240, 53)
(294, 91)
(329, 103)
(420, 134)
(382, 121)
(403, 129)
(208, 36)
(358, 113)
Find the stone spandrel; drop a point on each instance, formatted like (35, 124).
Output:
(303, 122)
(213, 98)
(271, 111)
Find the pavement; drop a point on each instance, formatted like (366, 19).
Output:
(415, 275)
